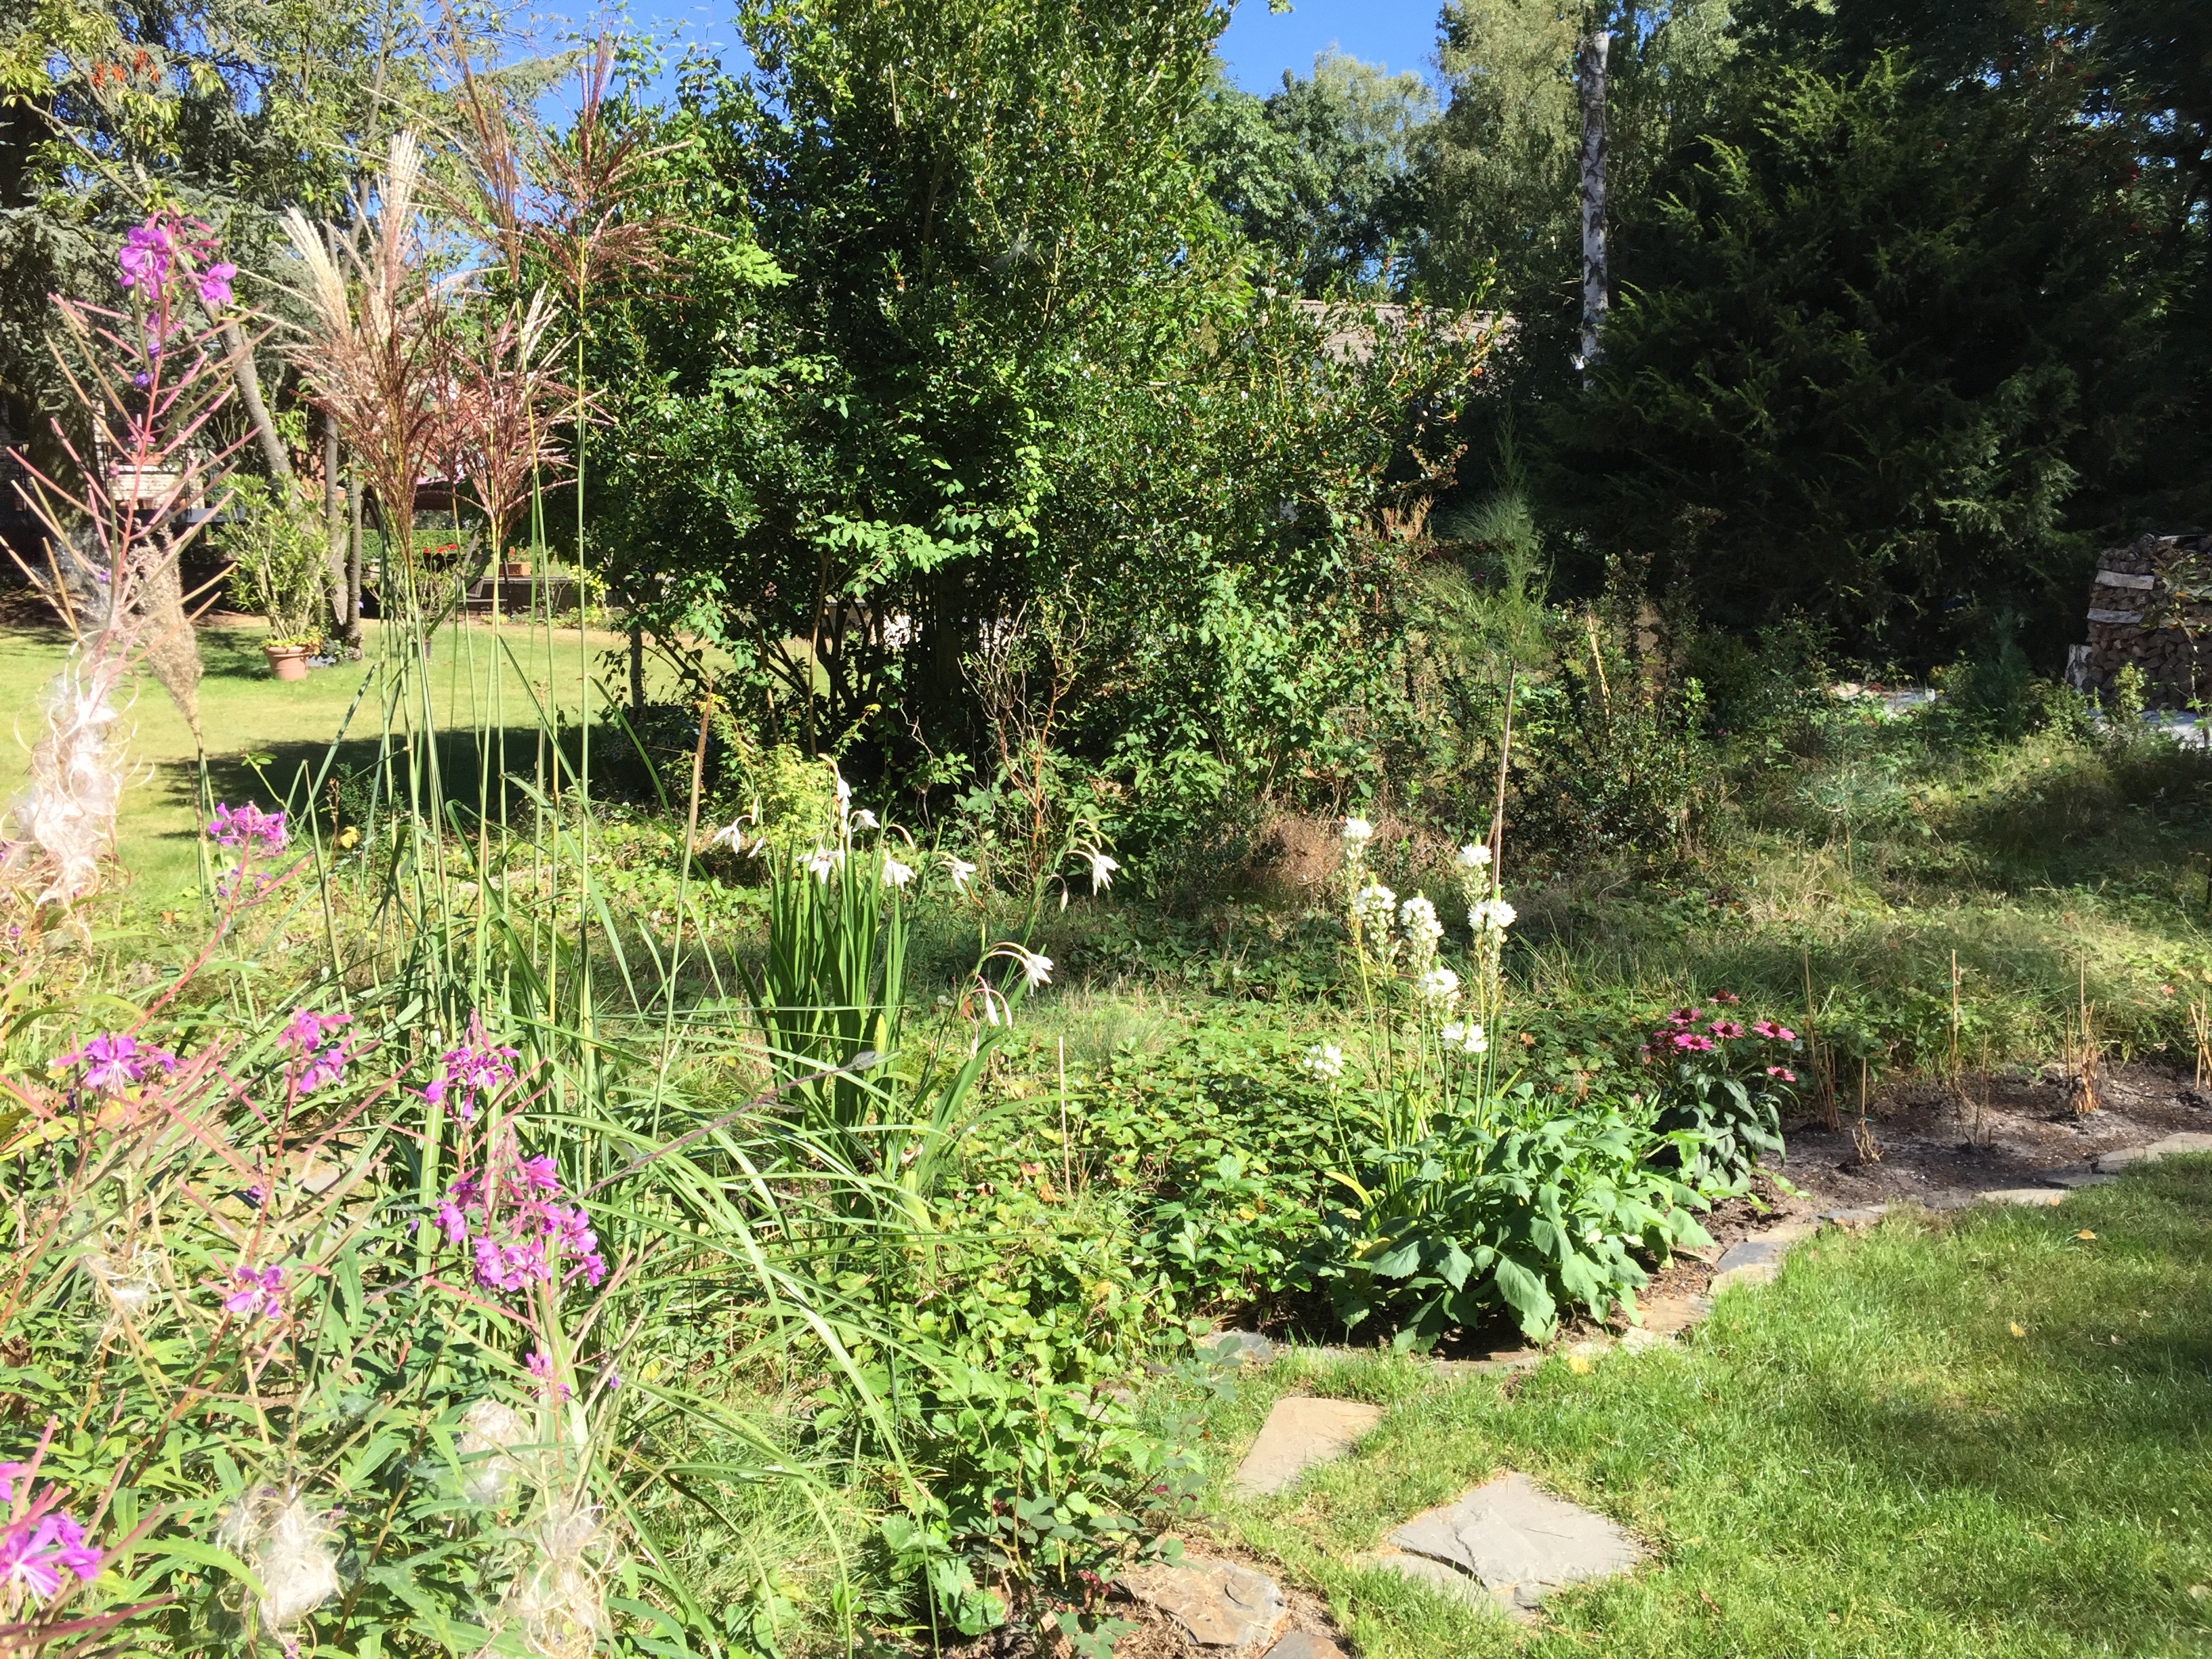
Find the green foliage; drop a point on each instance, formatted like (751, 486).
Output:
(282, 553)
(1510, 1208)
(1325, 173)
(1864, 354)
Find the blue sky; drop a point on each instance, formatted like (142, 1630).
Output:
(1258, 45)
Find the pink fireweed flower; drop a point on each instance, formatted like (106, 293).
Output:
(261, 1293)
(314, 1066)
(477, 1065)
(542, 1368)
(516, 1232)
(145, 258)
(10, 1474)
(36, 1549)
(247, 829)
(1782, 1071)
(113, 1061)
(1767, 1028)
(1725, 1029)
(1685, 1016)
(215, 285)
(1692, 1043)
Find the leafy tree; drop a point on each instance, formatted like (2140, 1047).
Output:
(1325, 171)
(1864, 352)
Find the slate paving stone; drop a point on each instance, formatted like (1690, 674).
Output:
(2086, 1176)
(1300, 1431)
(1856, 1217)
(1518, 1540)
(2042, 1197)
(1305, 1644)
(2189, 1140)
(1219, 1604)
(1237, 1348)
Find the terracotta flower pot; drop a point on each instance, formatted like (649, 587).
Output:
(515, 570)
(287, 662)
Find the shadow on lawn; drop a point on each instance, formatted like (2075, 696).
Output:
(490, 774)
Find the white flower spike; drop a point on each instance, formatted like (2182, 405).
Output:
(1492, 914)
(1439, 985)
(1474, 856)
(1324, 1060)
(1358, 832)
(1466, 1039)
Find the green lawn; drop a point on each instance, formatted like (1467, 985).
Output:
(244, 711)
(1862, 1459)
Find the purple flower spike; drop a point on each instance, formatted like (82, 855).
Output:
(114, 1062)
(476, 1067)
(248, 829)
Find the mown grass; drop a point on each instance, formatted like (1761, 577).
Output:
(244, 711)
(1862, 1459)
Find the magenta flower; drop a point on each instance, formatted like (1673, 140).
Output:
(248, 829)
(1782, 1071)
(1682, 1017)
(1725, 1029)
(1767, 1028)
(314, 1066)
(10, 1474)
(515, 1232)
(36, 1550)
(1692, 1043)
(145, 258)
(1726, 996)
(113, 1061)
(215, 285)
(542, 1368)
(476, 1067)
(261, 1293)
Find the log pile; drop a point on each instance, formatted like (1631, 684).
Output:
(2151, 606)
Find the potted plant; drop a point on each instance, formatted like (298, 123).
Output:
(277, 540)
(287, 658)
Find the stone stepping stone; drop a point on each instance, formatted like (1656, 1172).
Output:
(1856, 1218)
(1300, 1431)
(1237, 1349)
(1514, 1540)
(2034, 1198)
(2190, 1140)
(1305, 1644)
(1219, 1604)
(2088, 1175)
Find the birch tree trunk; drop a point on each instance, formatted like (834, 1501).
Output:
(1589, 75)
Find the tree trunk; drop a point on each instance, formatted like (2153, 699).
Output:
(249, 397)
(1589, 75)
(353, 571)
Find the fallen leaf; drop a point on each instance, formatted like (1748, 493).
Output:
(2085, 1233)
(1712, 1606)
(2018, 1329)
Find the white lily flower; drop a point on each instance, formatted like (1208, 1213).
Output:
(844, 791)
(1102, 870)
(864, 819)
(1036, 968)
(897, 875)
(960, 870)
(822, 863)
(731, 835)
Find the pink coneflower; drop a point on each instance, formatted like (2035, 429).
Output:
(1682, 1017)
(1725, 1029)
(1782, 1071)
(1726, 996)
(1767, 1028)
(1692, 1043)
